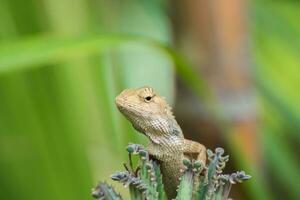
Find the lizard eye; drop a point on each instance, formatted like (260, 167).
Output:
(148, 98)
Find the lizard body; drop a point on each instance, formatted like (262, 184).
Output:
(151, 115)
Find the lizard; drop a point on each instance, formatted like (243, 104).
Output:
(151, 115)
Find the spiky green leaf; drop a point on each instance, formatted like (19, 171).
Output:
(185, 189)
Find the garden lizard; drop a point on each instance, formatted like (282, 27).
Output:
(151, 115)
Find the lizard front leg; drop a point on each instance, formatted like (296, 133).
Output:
(194, 148)
(154, 152)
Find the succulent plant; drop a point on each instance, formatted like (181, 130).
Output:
(198, 182)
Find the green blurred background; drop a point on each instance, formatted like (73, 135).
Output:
(229, 68)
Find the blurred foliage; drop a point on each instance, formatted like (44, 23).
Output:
(276, 48)
(63, 62)
(58, 120)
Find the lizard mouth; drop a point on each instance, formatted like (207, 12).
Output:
(126, 109)
(123, 106)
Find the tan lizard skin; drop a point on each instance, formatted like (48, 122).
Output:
(151, 115)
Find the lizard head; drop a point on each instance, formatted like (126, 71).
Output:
(144, 108)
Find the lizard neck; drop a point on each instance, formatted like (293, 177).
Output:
(163, 130)
(166, 140)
